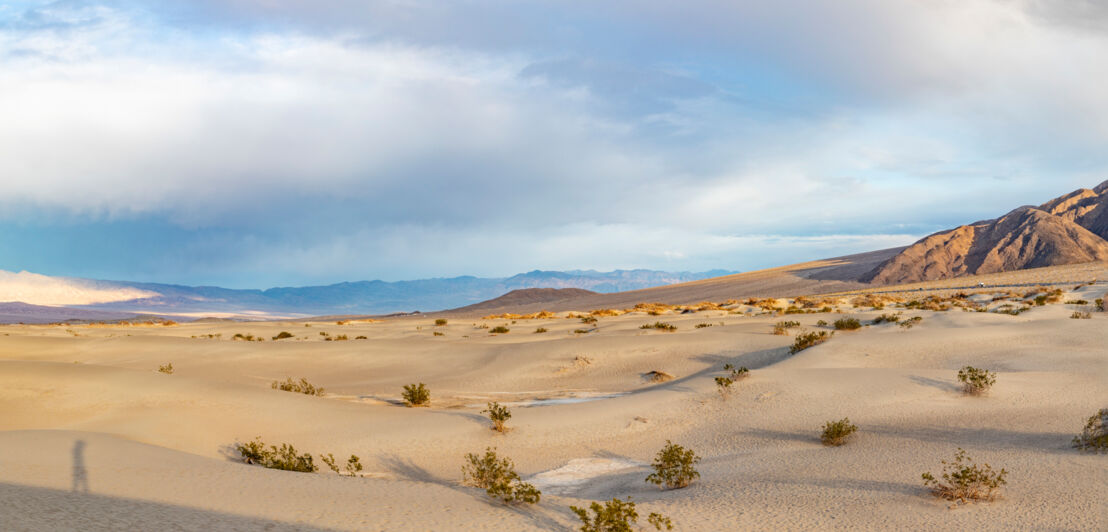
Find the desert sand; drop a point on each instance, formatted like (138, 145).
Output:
(93, 437)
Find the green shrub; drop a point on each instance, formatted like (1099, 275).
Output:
(674, 467)
(1095, 436)
(499, 329)
(976, 381)
(353, 465)
(661, 326)
(835, 433)
(498, 414)
(498, 477)
(303, 387)
(965, 481)
(167, 369)
(724, 383)
(782, 327)
(282, 335)
(416, 395)
(441, 322)
(821, 323)
(847, 324)
(805, 340)
(360, 338)
(284, 458)
(616, 516)
(1100, 304)
(540, 330)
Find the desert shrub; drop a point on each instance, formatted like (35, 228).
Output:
(782, 327)
(360, 338)
(498, 414)
(616, 516)
(1078, 315)
(1099, 304)
(324, 333)
(581, 331)
(284, 457)
(805, 340)
(499, 329)
(661, 326)
(246, 337)
(703, 325)
(282, 335)
(674, 467)
(821, 323)
(886, 318)
(910, 322)
(965, 481)
(1077, 302)
(353, 464)
(437, 333)
(589, 319)
(835, 433)
(167, 369)
(416, 395)
(540, 330)
(341, 337)
(441, 322)
(976, 381)
(847, 324)
(498, 477)
(724, 383)
(1095, 435)
(303, 386)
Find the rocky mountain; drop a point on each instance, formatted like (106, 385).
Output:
(1067, 230)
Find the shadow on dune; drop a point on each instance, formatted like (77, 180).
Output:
(993, 438)
(34, 508)
(408, 470)
(878, 486)
(935, 383)
(753, 360)
(805, 437)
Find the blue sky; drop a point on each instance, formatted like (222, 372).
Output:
(253, 143)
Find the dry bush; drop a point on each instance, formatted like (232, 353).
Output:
(703, 325)
(658, 376)
(886, 318)
(499, 329)
(589, 319)
(734, 374)
(1095, 435)
(616, 516)
(976, 381)
(835, 433)
(910, 322)
(1099, 304)
(498, 414)
(303, 386)
(964, 481)
(352, 468)
(284, 458)
(606, 312)
(436, 333)
(540, 330)
(674, 467)
(416, 395)
(847, 324)
(498, 477)
(804, 340)
(781, 328)
(167, 369)
(282, 335)
(661, 326)
(1078, 315)
(441, 322)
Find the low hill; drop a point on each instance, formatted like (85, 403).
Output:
(529, 296)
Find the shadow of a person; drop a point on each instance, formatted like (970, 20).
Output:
(80, 474)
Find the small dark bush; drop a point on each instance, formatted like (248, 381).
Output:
(1099, 304)
(805, 340)
(581, 331)
(588, 319)
(499, 329)
(965, 481)
(661, 326)
(674, 467)
(847, 324)
(437, 333)
(167, 369)
(498, 414)
(282, 335)
(440, 322)
(910, 322)
(886, 318)
(1078, 315)
(734, 374)
(540, 330)
(616, 516)
(498, 477)
(360, 338)
(835, 433)
(303, 386)
(284, 458)
(976, 381)
(1095, 436)
(416, 395)
(703, 325)
(782, 327)
(821, 323)
(353, 465)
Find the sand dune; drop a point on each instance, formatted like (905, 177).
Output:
(157, 449)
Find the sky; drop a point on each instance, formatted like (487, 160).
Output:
(257, 143)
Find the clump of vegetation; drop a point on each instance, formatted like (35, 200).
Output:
(282, 335)
(835, 433)
(360, 338)
(303, 386)
(964, 481)
(581, 331)
(498, 414)
(246, 337)
(284, 458)
(499, 329)
(658, 376)
(416, 395)
(847, 324)
(782, 327)
(498, 477)
(541, 330)
(1099, 304)
(805, 340)
(674, 467)
(589, 319)
(703, 325)
(734, 374)
(437, 333)
(1095, 436)
(976, 381)
(821, 323)
(441, 322)
(616, 516)
(167, 369)
(352, 468)
(886, 318)
(911, 322)
(1078, 315)
(661, 326)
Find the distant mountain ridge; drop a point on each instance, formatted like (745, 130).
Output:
(1069, 229)
(360, 297)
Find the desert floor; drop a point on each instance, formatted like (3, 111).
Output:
(93, 437)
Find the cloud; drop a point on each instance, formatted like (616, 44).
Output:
(52, 291)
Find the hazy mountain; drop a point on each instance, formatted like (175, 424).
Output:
(362, 297)
(1066, 230)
